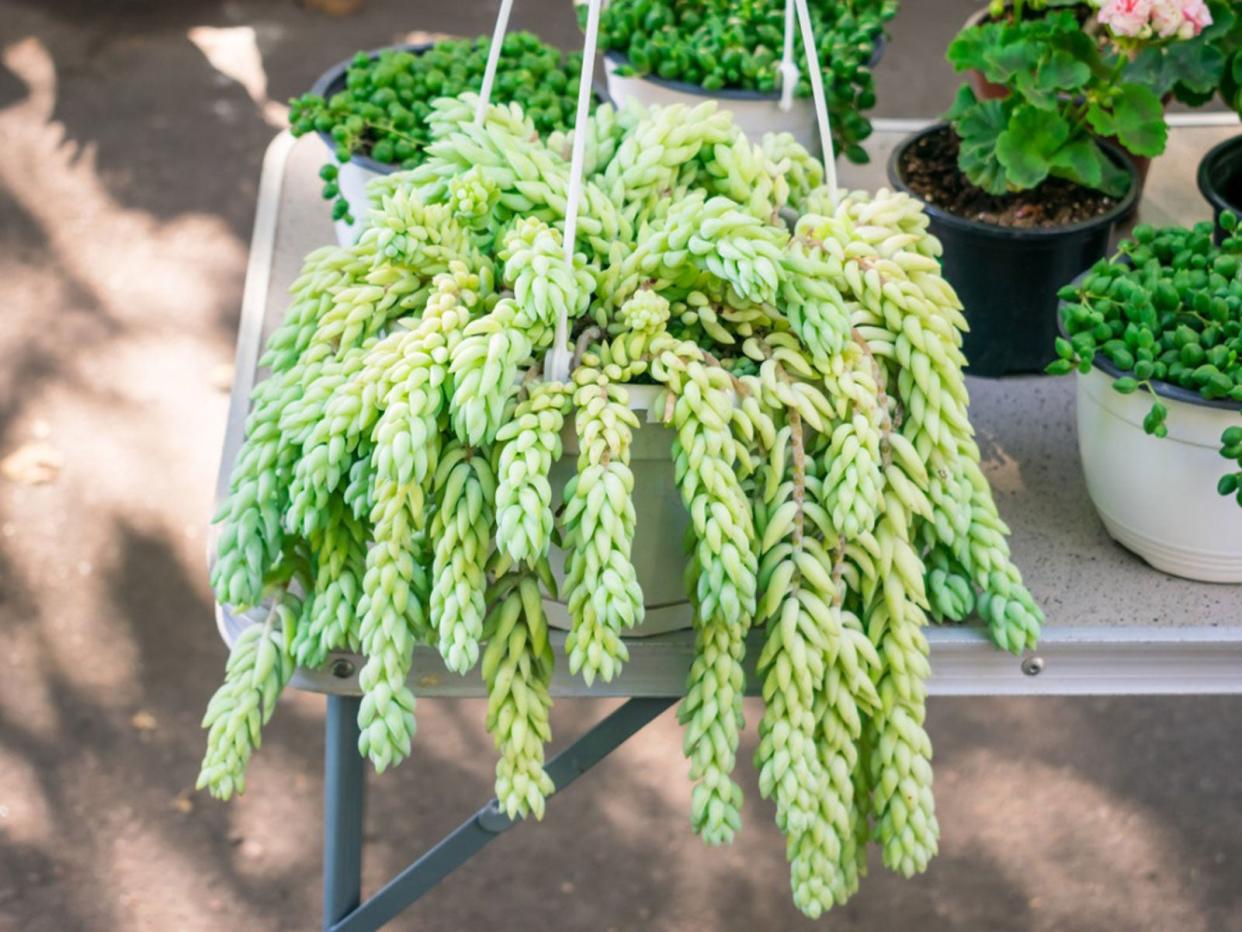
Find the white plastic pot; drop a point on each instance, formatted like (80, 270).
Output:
(352, 178)
(659, 554)
(1157, 496)
(354, 175)
(754, 112)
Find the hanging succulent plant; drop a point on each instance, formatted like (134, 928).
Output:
(398, 459)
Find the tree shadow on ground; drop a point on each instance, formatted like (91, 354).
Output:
(11, 88)
(133, 87)
(1163, 780)
(156, 113)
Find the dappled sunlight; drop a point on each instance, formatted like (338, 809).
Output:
(282, 792)
(112, 352)
(1069, 834)
(24, 684)
(186, 874)
(149, 279)
(103, 668)
(1004, 471)
(234, 52)
(141, 269)
(25, 814)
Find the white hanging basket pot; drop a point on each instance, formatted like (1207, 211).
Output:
(659, 553)
(1157, 496)
(754, 112)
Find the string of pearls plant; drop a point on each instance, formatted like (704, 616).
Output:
(394, 489)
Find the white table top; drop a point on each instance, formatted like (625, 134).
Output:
(1114, 625)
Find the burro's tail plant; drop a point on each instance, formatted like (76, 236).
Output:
(394, 489)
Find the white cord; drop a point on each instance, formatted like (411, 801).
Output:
(788, 68)
(817, 90)
(493, 60)
(580, 130)
(556, 365)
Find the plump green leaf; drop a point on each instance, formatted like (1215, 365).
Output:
(978, 124)
(1193, 67)
(1060, 71)
(1082, 47)
(1138, 117)
(1029, 144)
(968, 50)
(1115, 181)
(1196, 66)
(1101, 120)
(1008, 61)
(1080, 160)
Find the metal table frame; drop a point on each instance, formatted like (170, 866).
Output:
(343, 909)
(1150, 658)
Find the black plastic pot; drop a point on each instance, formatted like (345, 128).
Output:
(1220, 179)
(1008, 278)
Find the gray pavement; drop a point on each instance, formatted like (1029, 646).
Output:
(130, 139)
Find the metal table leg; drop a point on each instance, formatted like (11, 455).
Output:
(343, 790)
(470, 837)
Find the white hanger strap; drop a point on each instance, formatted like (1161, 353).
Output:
(817, 90)
(788, 68)
(493, 59)
(556, 366)
(578, 160)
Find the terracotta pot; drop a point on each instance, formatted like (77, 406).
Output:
(983, 88)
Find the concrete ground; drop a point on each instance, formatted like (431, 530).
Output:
(130, 140)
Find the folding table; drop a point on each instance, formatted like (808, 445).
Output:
(1115, 626)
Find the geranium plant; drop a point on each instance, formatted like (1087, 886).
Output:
(1073, 76)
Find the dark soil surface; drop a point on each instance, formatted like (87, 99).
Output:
(1083, 11)
(929, 167)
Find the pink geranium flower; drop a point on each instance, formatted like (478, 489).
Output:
(1164, 18)
(1195, 18)
(1126, 17)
